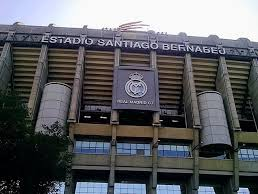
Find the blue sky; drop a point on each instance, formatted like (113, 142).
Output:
(230, 19)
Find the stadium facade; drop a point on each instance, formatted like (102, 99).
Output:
(147, 112)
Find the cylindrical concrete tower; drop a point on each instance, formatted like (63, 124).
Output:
(214, 133)
(54, 105)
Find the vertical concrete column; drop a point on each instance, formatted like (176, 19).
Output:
(193, 119)
(223, 86)
(114, 121)
(6, 66)
(155, 140)
(228, 187)
(70, 182)
(73, 113)
(40, 79)
(253, 87)
(77, 86)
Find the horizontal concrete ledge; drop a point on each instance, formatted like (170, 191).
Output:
(208, 164)
(78, 167)
(211, 172)
(175, 163)
(136, 169)
(134, 161)
(248, 166)
(133, 131)
(178, 171)
(91, 160)
(247, 137)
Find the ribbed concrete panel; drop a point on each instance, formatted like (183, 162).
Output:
(54, 105)
(62, 64)
(98, 78)
(253, 87)
(214, 131)
(25, 61)
(135, 59)
(170, 71)
(205, 71)
(5, 65)
(238, 74)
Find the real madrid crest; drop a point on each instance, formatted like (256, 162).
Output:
(135, 86)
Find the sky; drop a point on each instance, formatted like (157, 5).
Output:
(229, 19)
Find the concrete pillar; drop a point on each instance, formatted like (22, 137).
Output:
(253, 87)
(77, 87)
(114, 121)
(74, 110)
(6, 66)
(70, 183)
(156, 124)
(40, 79)
(228, 187)
(223, 86)
(190, 98)
(193, 120)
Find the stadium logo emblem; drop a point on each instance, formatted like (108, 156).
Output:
(135, 86)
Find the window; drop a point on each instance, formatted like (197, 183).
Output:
(248, 154)
(168, 189)
(180, 151)
(133, 149)
(91, 188)
(125, 188)
(243, 191)
(91, 147)
(206, 190)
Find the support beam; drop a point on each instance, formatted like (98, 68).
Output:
(156, 124)
(40, 79)
(75, 105)
(223, 86)
(6, 66)
(114, 121)
(253, 87)
(193, 120)
(77, 87)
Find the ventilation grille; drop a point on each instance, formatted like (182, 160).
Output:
(135, 59)
(238, 74)
(98, 78)
(61, 65)
(170, 71)
(205, 71)
(25, 62)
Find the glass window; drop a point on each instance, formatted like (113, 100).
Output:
(91, 188)
(206, 190)
(181, 151)
(91, 147)
(243, 191)
(133, 149)
(168, 189)
(248, 154)
(128, 188)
